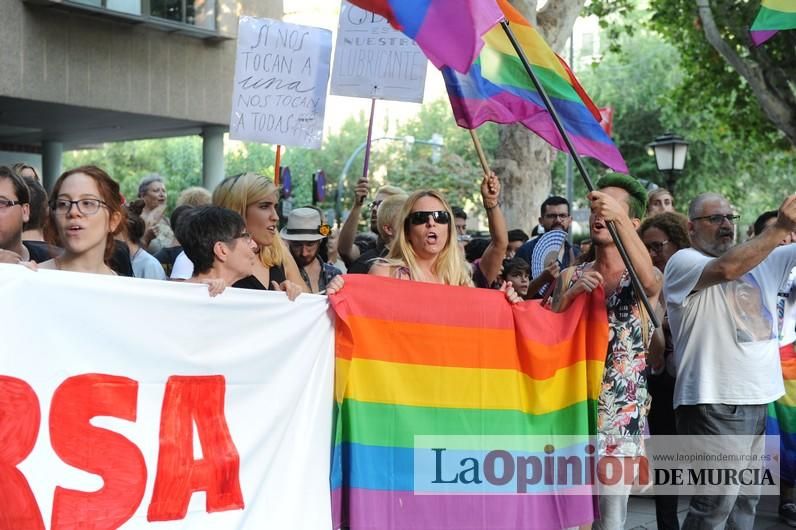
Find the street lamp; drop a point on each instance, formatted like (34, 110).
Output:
(670, 152)
(436, 142)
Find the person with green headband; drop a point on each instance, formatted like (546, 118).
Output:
(624, 402)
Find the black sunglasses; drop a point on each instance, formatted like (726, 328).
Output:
(419, 218)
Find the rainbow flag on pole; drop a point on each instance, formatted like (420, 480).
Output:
(498, 89)
(422, 360)
(448, 31)
(774, 15)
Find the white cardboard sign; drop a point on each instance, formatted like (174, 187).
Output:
(373, 60)
(281, 75)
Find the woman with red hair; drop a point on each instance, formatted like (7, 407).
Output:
(85, 214)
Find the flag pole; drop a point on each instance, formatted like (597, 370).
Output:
(278, 165)
(581, 168)
(480, 151)
(366, 165)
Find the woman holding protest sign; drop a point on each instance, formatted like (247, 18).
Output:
(85, 214)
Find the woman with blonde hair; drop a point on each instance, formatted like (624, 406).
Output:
(255, 198)
(425, 248)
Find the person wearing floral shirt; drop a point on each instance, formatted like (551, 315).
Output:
(624, 402)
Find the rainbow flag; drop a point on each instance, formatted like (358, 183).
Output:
(781, 419)
(498, 89)
(774, 15)
(448, 31)
(455, 363)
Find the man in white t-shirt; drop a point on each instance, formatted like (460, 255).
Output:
(722, 306)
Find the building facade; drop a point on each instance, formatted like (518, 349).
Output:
(75, 73)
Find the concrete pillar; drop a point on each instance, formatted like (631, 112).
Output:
(212, 156)
(51, 160)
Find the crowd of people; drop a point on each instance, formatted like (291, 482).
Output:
(728, 309)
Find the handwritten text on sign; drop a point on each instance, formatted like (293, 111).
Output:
(281, 73)
(373, 60)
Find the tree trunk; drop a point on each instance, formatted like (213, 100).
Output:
(522, 158)
(523, 164)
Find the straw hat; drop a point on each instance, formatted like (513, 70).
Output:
(305, 224)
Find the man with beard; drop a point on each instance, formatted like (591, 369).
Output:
(623, 402)
(555, 215)
(14, 213)
(722, 306)
(306, 234)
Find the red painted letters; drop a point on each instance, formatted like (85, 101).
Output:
(100, 451)
(200, 400)
(118, 461)
(19, 427)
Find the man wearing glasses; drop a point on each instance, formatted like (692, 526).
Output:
(555, 215)
(722, 306)
(14, 213)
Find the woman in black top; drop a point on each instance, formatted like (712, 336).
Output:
(255, 197)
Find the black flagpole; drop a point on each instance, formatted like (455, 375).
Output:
(579, 163)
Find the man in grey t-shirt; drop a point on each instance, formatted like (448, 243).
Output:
(721, 302)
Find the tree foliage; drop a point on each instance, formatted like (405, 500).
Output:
(642, 78)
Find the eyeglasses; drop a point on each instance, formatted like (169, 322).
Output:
(84, 206)
(243, 235)
(375, 204)
(717, 219)
(5, 204)
(419, 218)
(556, 215)
(656, 246)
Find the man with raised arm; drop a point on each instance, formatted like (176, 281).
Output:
(722, 306)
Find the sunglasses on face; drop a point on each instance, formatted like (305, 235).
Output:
(440, 217)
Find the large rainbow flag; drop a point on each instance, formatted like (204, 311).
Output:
(448, 31)
(498, 89)
(782, 417)
(421, 360)
(774, 15)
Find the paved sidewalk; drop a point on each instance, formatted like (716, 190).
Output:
(641, 514)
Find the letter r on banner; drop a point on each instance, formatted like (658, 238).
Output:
(200, 400)
(19, 427)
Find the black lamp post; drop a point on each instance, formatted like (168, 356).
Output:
(670, 152)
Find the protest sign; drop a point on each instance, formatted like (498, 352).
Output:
(373, 60)
(144, 404)
(281, 74)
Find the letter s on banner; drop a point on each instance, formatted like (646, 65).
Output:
(105, 453)
(19, 427)
(187, 400)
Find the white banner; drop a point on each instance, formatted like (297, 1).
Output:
(281, 74)
(146, 404)
(372, 60)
